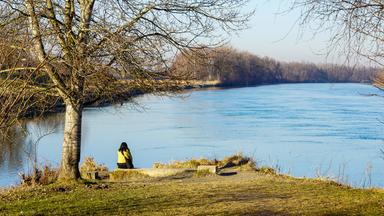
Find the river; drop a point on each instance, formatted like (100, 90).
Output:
(311, 130)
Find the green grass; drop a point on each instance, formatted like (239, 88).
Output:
(239, 194)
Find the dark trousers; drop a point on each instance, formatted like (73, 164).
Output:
(127, 165)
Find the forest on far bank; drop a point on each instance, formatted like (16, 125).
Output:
(232, 67)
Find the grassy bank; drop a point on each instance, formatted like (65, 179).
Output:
(243, 193)
(233, 192)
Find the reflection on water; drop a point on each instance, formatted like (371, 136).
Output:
(12, 149)
(304, 129)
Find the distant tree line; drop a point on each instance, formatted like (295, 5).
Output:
(236, 68)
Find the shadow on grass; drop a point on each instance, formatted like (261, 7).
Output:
(227, 173)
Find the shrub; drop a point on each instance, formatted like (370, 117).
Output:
(42, 176)
(89, 165)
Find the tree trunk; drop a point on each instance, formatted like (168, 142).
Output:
(69, 168)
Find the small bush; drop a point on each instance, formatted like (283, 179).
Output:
(49, 176)
(89, 165)
(43, 176)
(239, 161)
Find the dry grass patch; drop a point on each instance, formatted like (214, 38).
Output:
(203, 173)
(190, 164)
(238, 161)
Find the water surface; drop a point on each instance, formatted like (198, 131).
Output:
(330, 130)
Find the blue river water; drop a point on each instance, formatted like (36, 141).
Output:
(313, 130)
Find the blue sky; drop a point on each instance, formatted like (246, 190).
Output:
(276, 35)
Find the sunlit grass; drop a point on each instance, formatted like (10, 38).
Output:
(235, 161)
(244, 193)
(248, 190)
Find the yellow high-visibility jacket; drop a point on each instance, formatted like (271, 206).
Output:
(121, 156)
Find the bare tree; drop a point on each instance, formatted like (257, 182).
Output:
(356, 26)
(95, 47)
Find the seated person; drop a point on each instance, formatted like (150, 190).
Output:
(124, 157)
